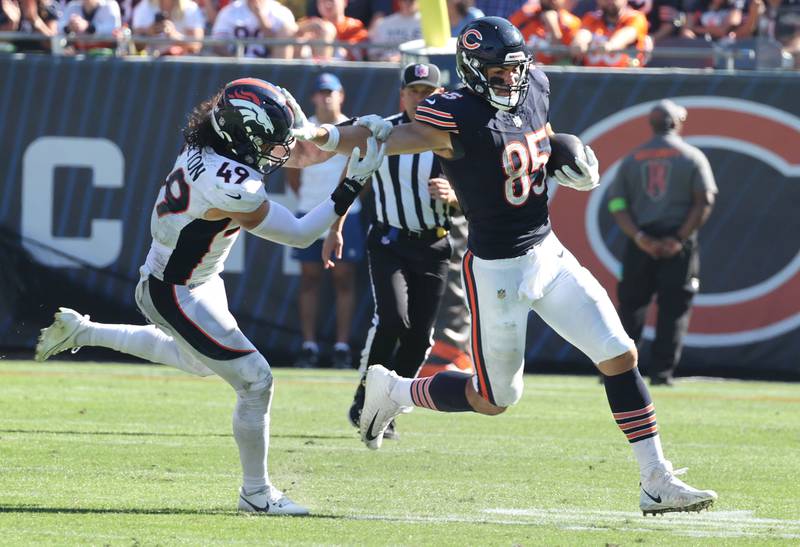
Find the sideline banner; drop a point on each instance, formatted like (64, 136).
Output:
(87, 143)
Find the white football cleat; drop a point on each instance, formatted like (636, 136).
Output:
(269, 501)
(379, 409)
(663, 492)
(60, 336)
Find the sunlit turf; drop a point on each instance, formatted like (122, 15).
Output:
(142, 455)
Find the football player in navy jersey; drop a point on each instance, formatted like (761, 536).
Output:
(492, 136)
(214, 189)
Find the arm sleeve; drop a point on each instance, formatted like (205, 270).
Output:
(281, 226)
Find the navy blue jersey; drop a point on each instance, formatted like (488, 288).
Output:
(498, 171)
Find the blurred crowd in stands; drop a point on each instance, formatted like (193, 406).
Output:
(607, 33)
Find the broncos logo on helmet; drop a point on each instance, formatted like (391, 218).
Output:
(254, 122)
(488, 42)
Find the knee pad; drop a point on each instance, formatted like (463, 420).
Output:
(252, 406)
(254, 372)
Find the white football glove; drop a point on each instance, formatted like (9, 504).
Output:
(302, 129)
(360, 169)
(380, 128)
(587, 179)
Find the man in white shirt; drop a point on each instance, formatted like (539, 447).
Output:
(176, 19)
(87, 17)
(312, 184)
(399, 27)
(255, 19)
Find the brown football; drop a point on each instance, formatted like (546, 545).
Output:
(564, 148)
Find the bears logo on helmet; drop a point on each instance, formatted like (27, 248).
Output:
(493, 42)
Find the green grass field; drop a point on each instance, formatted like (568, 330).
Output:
(95, 454)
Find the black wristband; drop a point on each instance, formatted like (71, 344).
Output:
(345, 194)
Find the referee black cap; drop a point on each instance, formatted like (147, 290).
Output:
(420, 73)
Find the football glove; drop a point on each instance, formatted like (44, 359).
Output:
(302, 129)
(380, 128)
(587, 179)
(359, 170)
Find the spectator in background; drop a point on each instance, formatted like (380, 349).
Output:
(312, 185)
(784, 24)
(669, 19)
(545, 23)
(499, 8)
(717, 19)
(10, 15)
(395, 29)
(255, 19)
(663, 194)
(210, 9)
(368, 12)
(461, 13)
(348, 29)
(316, 30)
(38, 17)
(175, 19)
(88, 17)
(609, 30)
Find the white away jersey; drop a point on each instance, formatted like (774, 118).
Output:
(186, 249)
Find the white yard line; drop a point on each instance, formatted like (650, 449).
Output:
(708, 524)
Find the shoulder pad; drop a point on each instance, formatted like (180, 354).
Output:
(440, 111)
(233, 186)
(540, 79)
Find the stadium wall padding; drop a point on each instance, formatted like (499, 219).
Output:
(87, 143)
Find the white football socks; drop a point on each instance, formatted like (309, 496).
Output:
(251, 431)
(401, 392)
(145, 341)
(649, 454)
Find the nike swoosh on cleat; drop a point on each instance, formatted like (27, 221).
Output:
(264, 509)
(234, 196)
(370, 436)
(657, 500)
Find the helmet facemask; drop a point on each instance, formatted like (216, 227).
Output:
(475, 78)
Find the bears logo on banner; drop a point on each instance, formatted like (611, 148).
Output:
(768, 308)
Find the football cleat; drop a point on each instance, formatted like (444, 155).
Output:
(60, 336)
(663, 492)
(379, 409)
(354, 415)
(270, 501)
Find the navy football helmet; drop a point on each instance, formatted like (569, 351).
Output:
(488, 42)
(254, 123)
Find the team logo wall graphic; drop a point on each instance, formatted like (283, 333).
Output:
(765, 309)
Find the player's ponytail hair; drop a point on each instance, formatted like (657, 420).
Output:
(198, 131)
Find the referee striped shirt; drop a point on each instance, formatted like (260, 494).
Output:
(401, 193)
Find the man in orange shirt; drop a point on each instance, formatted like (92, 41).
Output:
(546, 23)
(610, 29)
(348, 29)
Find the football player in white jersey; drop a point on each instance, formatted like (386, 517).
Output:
(214, 190)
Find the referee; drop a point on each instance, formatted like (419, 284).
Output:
(408, 247)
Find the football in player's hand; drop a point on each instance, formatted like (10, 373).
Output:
(564, 148)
